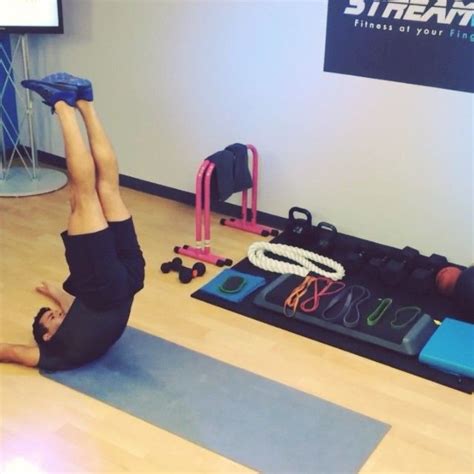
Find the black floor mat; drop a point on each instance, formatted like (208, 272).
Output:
(436, 306)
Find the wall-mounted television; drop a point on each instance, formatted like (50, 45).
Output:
(31, 16)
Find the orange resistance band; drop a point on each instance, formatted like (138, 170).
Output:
(312, 303)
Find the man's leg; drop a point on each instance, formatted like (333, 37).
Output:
(86, 211)
(107, 182)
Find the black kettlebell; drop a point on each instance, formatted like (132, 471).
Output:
(299, 231)
(325, 235)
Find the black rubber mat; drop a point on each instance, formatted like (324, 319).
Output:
(431, 303)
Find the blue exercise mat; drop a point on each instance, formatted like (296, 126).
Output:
(249, 419)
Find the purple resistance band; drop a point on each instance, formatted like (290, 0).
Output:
(351, 297)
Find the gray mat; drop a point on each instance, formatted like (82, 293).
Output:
(254, 421)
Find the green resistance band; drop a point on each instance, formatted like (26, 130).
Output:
(374, 317)
(395, 324)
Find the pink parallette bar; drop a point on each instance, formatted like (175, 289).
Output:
(202, 250)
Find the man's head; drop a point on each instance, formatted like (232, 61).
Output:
(46, 323)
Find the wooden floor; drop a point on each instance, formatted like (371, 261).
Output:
(46, 427)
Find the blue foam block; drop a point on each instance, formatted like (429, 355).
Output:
(451, 348)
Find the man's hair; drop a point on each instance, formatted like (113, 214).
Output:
(38, 329)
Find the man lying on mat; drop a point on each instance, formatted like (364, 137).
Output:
(105, 261)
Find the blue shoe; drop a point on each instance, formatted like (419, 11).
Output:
(52, 93)
(84, 86)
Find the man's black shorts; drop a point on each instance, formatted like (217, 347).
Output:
(105, 267)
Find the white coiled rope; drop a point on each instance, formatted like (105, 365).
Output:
(307, 261)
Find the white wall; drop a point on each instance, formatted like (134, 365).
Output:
(178, 80)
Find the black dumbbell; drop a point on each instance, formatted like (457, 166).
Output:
(422, 278)
(185, 274)
(174, 265)
(399, 266)
(356, 257)
(375, 262)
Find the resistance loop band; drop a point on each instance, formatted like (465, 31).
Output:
(351, 298)
(395, 324)
(374, 317)
(310, 304)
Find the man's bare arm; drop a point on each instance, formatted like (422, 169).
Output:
(63, 299)
(19, 354)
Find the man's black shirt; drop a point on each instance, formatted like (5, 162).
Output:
(84, 335)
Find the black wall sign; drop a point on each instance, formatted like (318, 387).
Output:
(425, 42)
